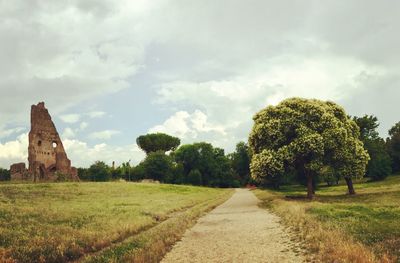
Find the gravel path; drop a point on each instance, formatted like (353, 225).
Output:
(236, 231)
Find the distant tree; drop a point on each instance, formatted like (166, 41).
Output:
(178, 174)
(99, 172)
(125, 171)
(194, 177)
(158, 166)
(240, 161)
(155, 142)
(138, 172)
(368, 125)
(306, 135)
(380, 164)
(5, 175)
(211, 162)
(393, 147)
(83, 174)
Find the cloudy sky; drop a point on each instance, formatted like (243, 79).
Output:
(112, 70)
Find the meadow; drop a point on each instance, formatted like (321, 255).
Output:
(336, 227)
(97, 222)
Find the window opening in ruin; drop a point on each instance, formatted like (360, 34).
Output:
(39, 143)
(54, 144)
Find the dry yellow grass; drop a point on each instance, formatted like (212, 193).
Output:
(62, 222)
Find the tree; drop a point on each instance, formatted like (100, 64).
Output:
(99, 172)
(211, 162)
(368, 125)
(240, 162)
(83, 174)
(155, 142)
(125, 171)
(158, 166)
(194, 177)
(306, 135)
(393, 147)
(380, 165)
(5, 175)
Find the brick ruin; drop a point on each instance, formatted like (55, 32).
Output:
(46, 155)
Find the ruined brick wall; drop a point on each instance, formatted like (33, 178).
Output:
(18, 172)
(46, 154)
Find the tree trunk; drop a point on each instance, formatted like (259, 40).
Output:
(350, 186)
(310, 188)
(314, 186)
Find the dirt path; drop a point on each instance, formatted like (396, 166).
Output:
(236, 231)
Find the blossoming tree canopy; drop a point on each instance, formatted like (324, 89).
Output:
(306, 135)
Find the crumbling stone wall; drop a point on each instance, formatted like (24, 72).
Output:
(46, 155)
(18, 171)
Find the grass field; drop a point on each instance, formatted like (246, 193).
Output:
(97, 222)
(336, 226)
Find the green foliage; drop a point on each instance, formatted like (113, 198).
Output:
(155, 142)
(368, 125)
(330, 176)
(60, 177)
(138, 172)
(194, 177)
(158, 166)
(211, 162)
(305, 135)
(99, 172)
(240, 162)
(4, 174)
(380, 164)
(393, 147)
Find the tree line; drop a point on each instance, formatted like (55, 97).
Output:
(199, 164)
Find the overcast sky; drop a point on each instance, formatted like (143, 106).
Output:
(110, 71)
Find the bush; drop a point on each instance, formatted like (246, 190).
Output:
(99, 172)
(5, 175)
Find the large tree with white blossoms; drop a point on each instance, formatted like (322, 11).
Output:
(307, 135)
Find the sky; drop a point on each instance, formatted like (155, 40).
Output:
(110, 71)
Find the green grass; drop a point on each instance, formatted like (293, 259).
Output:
(58, 222)
(372, 217)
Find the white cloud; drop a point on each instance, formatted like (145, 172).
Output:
(70, 118)
(96, 114)
(14, 151)
(104, 135)
(83, 155)
(190, 127)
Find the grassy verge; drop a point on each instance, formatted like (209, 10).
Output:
(151, 245)
(63, 222)
(337, 227)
